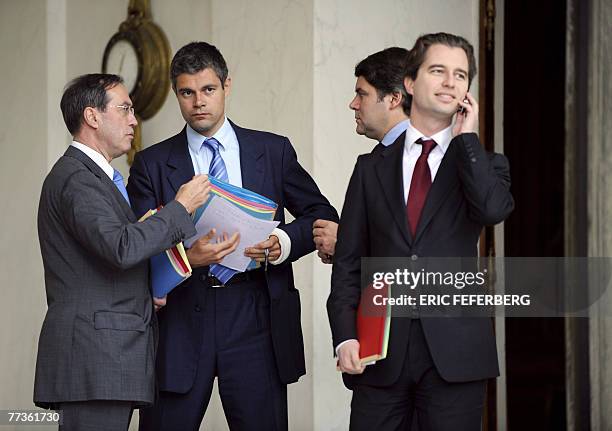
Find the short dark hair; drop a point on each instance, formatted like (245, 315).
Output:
(422, 44)
(195, 57)
(385, 71)
(85, 91)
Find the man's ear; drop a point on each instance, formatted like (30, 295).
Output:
(409, 85)
(395, 99)
(227, 86)
(90, 117)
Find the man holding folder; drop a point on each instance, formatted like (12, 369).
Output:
(427, 195)
(245, 331)
(97, 343)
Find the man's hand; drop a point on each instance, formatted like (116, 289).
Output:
(467, 121)
(325, 258)
(194, 193)
(159, 302)
(207, 250)
(348, 358)
(324, 234)
(258, 251)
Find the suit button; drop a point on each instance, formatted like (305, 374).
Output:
(197, 309)
(473, 159)
(414, 257)
(203, 278)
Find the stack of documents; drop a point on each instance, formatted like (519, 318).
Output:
(231, 209)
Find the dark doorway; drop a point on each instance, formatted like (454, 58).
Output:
(534, 142)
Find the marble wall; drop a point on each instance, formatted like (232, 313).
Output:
(23, 149)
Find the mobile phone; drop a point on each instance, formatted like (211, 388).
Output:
(461, 109)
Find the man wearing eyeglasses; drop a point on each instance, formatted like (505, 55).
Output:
(96, 349)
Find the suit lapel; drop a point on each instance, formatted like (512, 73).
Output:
(251, 160)
(442, 184)
(389, 172)
(98, 172)
(180, 162)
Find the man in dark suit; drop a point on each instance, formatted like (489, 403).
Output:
(429, 194)
(382, 109)
(246, 331)
(97, 343)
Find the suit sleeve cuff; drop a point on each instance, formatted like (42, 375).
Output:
(345, 341)
(285, 245)
(182, 220)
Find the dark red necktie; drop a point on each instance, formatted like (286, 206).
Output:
(419, 186)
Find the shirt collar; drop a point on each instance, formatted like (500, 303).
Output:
(442, 138)
(195, 139)
(97, 158)
(394, 133)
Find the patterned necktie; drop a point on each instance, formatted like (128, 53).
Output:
(217, 165)
(217, 169)
(118, 180)
(419, 185)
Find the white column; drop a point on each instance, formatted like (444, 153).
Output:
(25, 96)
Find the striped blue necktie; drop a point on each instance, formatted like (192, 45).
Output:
(217, 169)
(118, 180)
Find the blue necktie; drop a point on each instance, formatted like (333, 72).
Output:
(118, 180)
(217, 165)
(217, 169)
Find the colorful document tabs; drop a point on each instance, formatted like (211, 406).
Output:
(250, 202)
(230, 209)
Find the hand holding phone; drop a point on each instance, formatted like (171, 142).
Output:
(461, 109)
(466, 120)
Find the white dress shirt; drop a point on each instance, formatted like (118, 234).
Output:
(97, 158)
(229, 148)
(412, 151)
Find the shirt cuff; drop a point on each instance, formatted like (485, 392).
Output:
(345, 341)
(285, 245)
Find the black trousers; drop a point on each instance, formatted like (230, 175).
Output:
(96, 415)
(439, 405)
(237, 350)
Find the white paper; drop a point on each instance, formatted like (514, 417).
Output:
(226, 217)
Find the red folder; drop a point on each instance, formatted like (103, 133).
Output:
(373, 324)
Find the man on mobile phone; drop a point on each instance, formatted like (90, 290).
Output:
(428, 196)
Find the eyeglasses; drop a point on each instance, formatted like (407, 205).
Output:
(125, 108)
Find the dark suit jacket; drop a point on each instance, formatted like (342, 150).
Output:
(470, 190)
(269, 167)
(98, 338)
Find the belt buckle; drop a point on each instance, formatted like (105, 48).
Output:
(215, 282)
